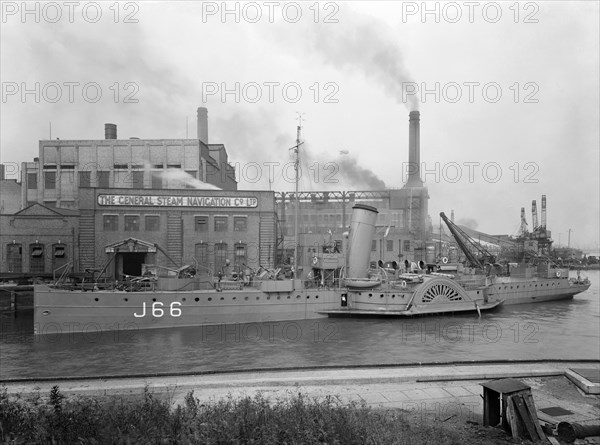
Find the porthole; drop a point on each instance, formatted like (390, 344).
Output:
(393, 295)
(183, 299)
(209, 298)
(154, 299)
(245, 298)
(316, 296)
(258, 298)
(278, 297)
(381, 296)
(268, 298)
(234, 298)
(308, 297)
(196, 299)
(125, 299)
(370, 295)
(222, 298)
(95, 299)
(289, 297)
(297, 296)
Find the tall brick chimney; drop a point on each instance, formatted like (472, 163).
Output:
(414, 148)
(203, 124)
(110, 131)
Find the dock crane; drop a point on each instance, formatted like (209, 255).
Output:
(476, 254)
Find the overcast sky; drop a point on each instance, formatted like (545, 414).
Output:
(511, 109)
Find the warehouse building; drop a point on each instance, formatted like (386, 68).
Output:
(63, 166)
(125, 230)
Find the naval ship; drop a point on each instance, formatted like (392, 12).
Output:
(419, 288)
(415, 289)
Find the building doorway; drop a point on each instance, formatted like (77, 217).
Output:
(130, 263)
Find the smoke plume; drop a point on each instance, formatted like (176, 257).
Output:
(359, 177)
(360, 43)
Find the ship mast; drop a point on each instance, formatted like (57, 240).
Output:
(296, 149)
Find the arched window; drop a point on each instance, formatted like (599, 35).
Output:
(201, 255)
(59, 257)
(36, 258)
(220, 256)
(14, 258)
(240, 256)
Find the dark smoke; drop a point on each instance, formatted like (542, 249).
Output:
(359, 177)
(363, 43)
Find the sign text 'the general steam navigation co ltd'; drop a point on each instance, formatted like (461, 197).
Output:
(177, 201)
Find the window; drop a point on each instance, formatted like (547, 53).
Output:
(132, 223)
(201, 223)
(103, 179)
(36, 258)
(111, 223)
(239, 259)
(31, 181)
(50, 180)
(240, 223)
(373, 245)
(59, 258)
(220, 224)
(85, 179)
(152, 223)
(14, 257)
(220, 256)
(407, 246)
(156, 180)
(389, 245)
(201, 256)
(137, 179)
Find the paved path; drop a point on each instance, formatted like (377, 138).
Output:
(434, 391)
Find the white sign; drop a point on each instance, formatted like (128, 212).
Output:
(177, 201)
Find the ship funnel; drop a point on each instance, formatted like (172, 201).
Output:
(362, 230)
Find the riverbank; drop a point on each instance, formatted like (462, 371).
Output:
(448, 395)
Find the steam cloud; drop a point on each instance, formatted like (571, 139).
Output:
(468, 222)
(176, 174)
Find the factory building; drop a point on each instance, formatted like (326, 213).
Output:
(403, 224)
(63, 166)
(124, 230)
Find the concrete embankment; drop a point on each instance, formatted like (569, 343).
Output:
(437, 391)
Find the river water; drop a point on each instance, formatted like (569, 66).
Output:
(568, 329)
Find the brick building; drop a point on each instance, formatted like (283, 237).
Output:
(63, 166)
(169, 228)
(38, 240)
